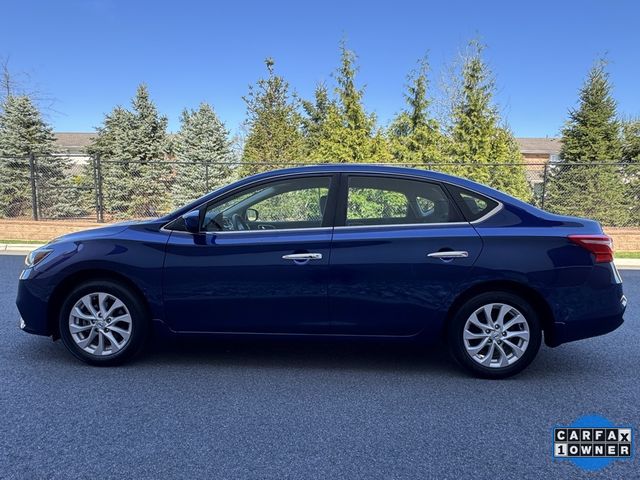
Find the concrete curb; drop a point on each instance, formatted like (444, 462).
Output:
(18, 248)
(628, 263)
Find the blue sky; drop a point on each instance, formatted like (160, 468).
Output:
(90, 55)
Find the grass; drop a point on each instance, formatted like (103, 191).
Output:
(13, 242)
(635, 254)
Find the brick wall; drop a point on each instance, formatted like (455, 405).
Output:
(41, 230)
(624, 239)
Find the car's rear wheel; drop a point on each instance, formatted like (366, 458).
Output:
(103, 323)
(495, 334)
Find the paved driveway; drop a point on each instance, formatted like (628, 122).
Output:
(316, 410)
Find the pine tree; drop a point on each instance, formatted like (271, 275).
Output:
(23, 133)
(478, 144)
(314, 121)
(273, 124)
(113, 139)
(132, 146)
(631, 157)
(349, 134)
(631, 141)
(415, 138)
(588, 182)
(203, 151)
(508, 175)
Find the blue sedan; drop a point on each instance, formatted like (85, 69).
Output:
(334, 251)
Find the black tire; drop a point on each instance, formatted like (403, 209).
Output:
(137, 311)
(457, 326)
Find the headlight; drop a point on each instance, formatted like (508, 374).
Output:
(37, 256)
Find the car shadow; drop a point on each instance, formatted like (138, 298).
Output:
(400, 358)
(311, 354)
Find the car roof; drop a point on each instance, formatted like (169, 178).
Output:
(357, 168)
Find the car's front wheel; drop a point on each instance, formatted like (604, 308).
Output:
(495, 334)
(103, 323)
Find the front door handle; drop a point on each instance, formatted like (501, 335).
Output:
(302, 257)
(449, 254)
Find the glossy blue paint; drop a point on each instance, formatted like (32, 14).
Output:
(239, 282)
(371, 281)
(386, 271)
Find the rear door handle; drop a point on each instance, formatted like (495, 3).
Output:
(303, 256)
(449, 254)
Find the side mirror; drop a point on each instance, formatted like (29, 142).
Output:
(192, 221)
(251, 214)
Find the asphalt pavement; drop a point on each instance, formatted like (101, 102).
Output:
(321, 410)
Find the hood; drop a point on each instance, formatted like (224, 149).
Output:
(100, 232)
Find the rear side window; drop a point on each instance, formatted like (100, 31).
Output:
(373, 200)
(473, 205)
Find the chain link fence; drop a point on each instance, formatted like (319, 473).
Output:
(81, 187)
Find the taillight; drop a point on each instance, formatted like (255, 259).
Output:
(600, 245)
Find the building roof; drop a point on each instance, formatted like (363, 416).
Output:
(550, 146)
(74, 140)
(79, 141)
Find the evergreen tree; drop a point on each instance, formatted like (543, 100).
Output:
(631, 157)
(23, 133)
(314, 121)
(478, 144)
(588, 182)
(415, 138)
(349, 134)
(113, 139)
(132, 145)
(509, 173)
(203, 151)
(631, 141)
(273, 124)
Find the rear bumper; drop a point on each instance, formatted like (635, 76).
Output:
(569, 332)
(563, 332)
(591, 308)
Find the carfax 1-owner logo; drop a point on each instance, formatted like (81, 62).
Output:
(592, 442)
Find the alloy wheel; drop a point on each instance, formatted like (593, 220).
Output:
(100, 324)
(496, 335)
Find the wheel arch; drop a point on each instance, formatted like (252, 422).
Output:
(70, 282)
(537, 301)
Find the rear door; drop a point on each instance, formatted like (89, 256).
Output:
(400, 251)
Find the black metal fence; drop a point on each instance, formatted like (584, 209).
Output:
(87, 187)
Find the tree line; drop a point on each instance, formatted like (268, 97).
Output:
(140, 177)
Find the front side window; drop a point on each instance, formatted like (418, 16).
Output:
(283, 204)
(395, 201)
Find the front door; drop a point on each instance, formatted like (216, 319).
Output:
(260, 263)
(400, 250)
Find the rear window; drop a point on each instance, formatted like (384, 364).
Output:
(473, 205)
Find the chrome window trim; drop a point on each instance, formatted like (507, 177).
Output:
(265, 230)
(269, 230)
(408, 225)
(489, 214)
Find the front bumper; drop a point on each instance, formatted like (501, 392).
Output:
(33, 311)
